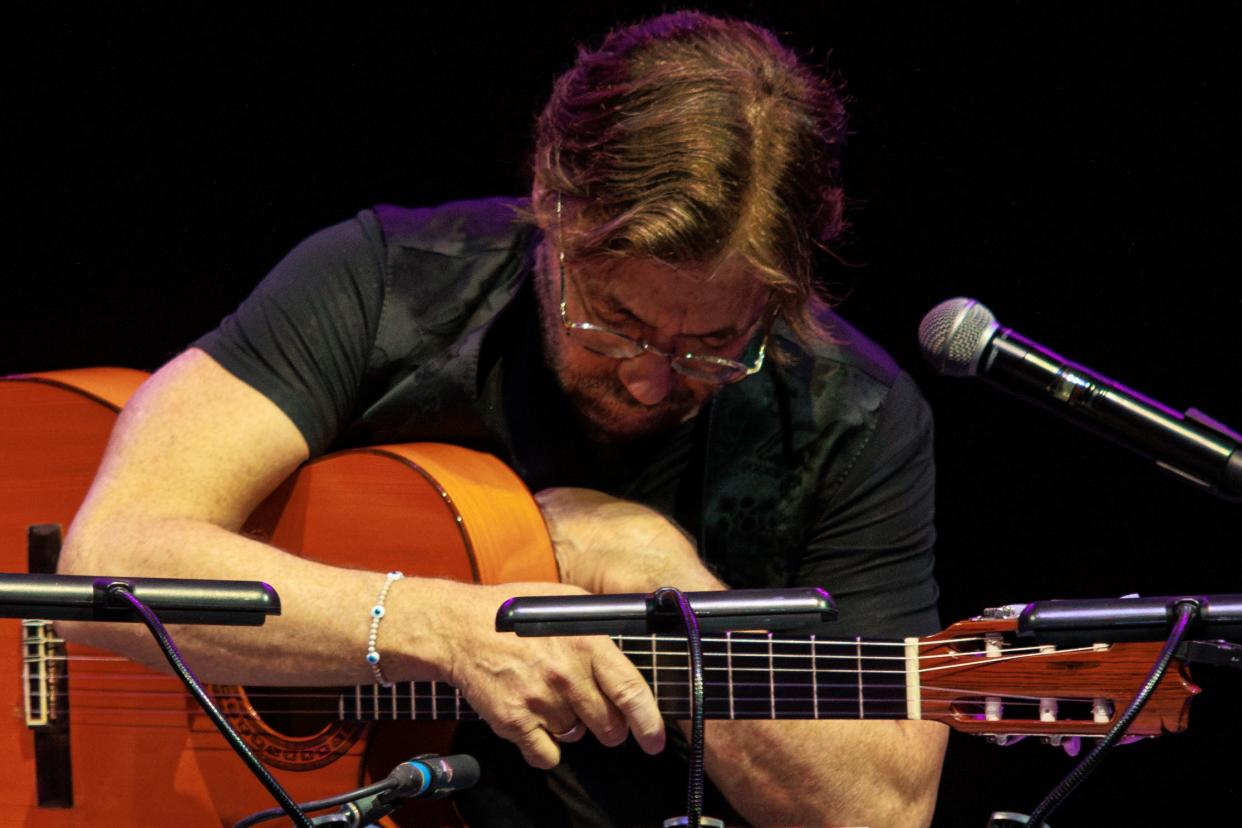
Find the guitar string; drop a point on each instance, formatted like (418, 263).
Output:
(763, 640)
(785, 671)
(998, 659)
(988, 661)
(426, 687)
(1007, 724)
(785, 709)
(852, 656)
(680, 643)
(735, 655)
(961, 696)
(788, 709)
(964, 695)
(423, 693)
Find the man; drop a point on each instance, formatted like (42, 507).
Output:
(644, 344)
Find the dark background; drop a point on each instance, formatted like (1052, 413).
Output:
(1073, 165)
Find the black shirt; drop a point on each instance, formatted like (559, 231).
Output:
(405, 325)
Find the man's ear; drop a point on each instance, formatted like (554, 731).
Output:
(542, 207)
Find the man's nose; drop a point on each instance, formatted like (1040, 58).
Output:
(649, 378)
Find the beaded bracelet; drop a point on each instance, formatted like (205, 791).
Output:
(377, 613)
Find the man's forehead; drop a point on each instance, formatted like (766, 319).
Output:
(622, 277)
(715, 301)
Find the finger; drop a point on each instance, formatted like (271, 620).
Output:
(595, 711)
(625, 688)
(536, 744)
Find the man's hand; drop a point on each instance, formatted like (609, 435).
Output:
(607, 545)
(528, 689)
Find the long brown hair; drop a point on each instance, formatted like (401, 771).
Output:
(689, 138)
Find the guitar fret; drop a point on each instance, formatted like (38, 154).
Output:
(358, 702)
(729, 669)
(655, 671)
(771, 678)
(814, 679)
(858, 650)
(434, 717)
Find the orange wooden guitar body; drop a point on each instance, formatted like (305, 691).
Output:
(142, 752)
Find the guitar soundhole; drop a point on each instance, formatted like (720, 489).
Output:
(294, 728)
(296, 712)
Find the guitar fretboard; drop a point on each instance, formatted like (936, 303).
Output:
(745, 676)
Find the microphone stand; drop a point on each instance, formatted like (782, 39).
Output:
(670, 598)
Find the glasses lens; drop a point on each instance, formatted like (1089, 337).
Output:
(604, 342)
(710, 369)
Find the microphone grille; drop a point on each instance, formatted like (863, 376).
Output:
(954, 334)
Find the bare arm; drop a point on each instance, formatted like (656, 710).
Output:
(192, 455)
(880, 773)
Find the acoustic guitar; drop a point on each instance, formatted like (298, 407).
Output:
(93, 739)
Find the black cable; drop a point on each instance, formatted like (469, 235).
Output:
(1187, 611)
(694, 793)
(183, 671)
(319, 804)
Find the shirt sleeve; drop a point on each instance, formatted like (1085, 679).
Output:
(872, 547)
(304, 336)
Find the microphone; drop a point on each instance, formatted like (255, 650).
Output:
(960, 337)
(428, 776)
(435, 776)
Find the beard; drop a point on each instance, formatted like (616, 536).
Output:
(604, 409)
(609, 415)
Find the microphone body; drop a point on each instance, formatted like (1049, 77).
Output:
(435, 776)
(429, 776)
(961, 338)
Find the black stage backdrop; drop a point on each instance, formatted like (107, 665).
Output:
(1073, 165)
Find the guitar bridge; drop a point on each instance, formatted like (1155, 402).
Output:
(45, 683)
(42, 653)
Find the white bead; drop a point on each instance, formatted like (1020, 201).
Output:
(377, 612)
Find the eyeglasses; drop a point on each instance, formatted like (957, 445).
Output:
(610, 343)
